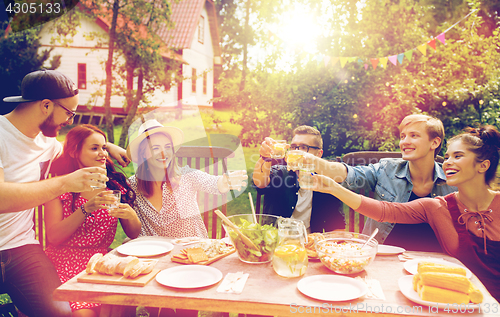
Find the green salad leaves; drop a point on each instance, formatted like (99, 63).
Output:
(265, 237)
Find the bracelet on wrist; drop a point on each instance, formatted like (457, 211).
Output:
(85, 213)
(266, 159)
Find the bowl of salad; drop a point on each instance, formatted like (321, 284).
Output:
(263, 233)
(342, 252)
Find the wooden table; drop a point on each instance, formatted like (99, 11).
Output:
(266, 293)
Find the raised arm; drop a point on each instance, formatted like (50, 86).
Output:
(262, 168)
(21, 196)
(334, 170)
(118, 153)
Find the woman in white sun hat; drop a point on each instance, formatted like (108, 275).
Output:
(166, 201)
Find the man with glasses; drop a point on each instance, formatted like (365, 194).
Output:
(282, 193)
(27, 148)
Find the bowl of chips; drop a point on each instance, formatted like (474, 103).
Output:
(263, 233)
(344, 253)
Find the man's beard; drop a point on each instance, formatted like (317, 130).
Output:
(48, 127)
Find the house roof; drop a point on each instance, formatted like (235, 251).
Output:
(185, 16)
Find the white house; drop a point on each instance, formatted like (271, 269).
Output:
(194, 38)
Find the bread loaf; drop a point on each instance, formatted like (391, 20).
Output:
(126, 262)
(92, 262)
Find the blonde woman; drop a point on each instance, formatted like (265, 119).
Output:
(166, 193)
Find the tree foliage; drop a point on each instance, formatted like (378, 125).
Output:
(358, 109)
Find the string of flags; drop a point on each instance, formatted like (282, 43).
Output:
(383, 61)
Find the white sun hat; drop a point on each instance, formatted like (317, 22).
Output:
(148, 128)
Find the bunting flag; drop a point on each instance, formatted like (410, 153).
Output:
(393, 59)
(400, 58)
(343, 61)
(432, 43)
(423, 49)
(441, 38)
(383, 62)
(327, 60)
(408, 55)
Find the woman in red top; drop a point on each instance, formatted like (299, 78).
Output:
(466, 223)
(78, 224)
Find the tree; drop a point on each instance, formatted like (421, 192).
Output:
(133, 28)
(18, 57)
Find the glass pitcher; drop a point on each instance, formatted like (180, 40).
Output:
(290, 256)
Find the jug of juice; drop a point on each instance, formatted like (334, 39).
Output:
(290, 256)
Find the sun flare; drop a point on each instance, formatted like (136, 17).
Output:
(299, 29)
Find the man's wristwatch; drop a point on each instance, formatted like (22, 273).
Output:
(266, 159)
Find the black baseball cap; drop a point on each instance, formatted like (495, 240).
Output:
(44, 84)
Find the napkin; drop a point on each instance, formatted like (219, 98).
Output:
(374, 289)
(233, 283)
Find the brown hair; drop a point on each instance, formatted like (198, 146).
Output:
(68, 161)
(433, 127)
(145, 179)
(305, 129)
(484, 142)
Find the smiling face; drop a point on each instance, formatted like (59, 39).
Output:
(159, 151)
(415, 143)
(460, 165)
(93, 152)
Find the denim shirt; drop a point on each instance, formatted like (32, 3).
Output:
(390, 180)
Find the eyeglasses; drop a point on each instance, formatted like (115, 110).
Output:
(303, 147)
(71, 114)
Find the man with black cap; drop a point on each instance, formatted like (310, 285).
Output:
(27, 148)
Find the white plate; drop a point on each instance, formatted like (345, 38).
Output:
(406, 287)
(189, 276)
(145, 248)
(332, 287)
(389, 250)
(412, 265)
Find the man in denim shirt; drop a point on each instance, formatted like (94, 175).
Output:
(414, 176)
(282, 193)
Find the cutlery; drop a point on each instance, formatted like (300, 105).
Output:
(371, 237)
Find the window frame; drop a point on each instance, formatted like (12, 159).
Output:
(82, 76)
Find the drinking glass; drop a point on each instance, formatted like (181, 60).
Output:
(103, 183)
(306, 179)
(118, 196)
(293, 159)
(235, 179)
(279, 149)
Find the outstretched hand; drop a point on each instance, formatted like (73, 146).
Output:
(323, 184)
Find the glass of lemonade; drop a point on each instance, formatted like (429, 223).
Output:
(305, 177)
(279, 149)
(293, 161)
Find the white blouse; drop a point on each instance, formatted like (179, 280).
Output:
(179, 215)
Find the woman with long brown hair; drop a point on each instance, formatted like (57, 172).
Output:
(79, 225)
(466, 223)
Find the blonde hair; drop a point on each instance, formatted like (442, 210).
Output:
(433, 126)
(305, 129)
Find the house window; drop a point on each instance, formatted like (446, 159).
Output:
(82, 76)
(201, 29)
(205, 82)
(193, 80)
